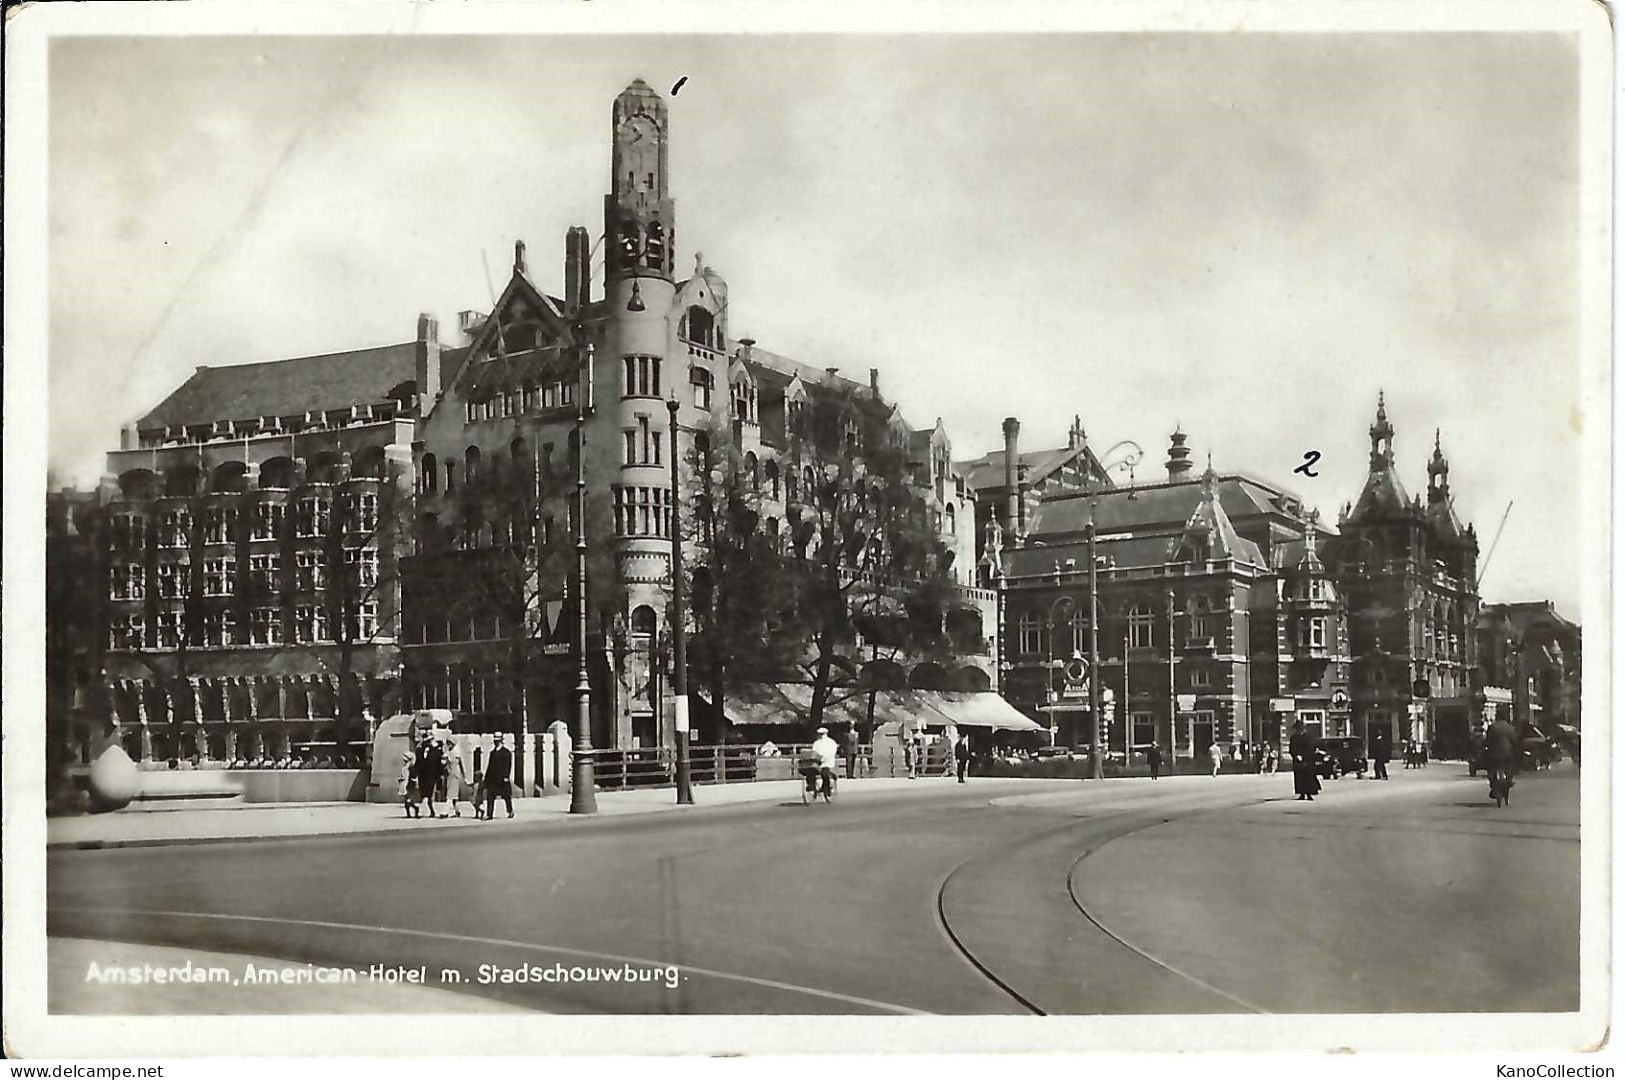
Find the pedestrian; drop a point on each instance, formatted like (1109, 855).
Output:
(1272, 760)
(1305, 781)
(430, 763)
(911, 751)
(1216, 752)
(962, 755)
(456, 774)
(853, 749)
(1380, 754)
(1153, 758)
(407, 784)
(499, 777)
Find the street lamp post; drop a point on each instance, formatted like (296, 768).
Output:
(679, 645)
(1099, 769)
(583, 784)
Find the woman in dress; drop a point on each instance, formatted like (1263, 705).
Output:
(406, 785)
(456, 777)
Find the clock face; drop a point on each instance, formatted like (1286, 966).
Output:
(638, 132)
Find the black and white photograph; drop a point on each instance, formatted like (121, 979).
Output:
(909, 530)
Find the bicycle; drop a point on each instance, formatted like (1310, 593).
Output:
(810, 775)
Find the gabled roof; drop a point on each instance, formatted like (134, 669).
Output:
(986, 473)
(1382, 497)
(1208, 522)
(1168, 505)
(293, 386)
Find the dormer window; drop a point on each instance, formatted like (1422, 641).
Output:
(1317, 588)
(700, 327)
(744, 401)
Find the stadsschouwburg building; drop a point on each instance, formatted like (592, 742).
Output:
(1226, 611)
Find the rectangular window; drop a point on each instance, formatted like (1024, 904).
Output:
(268, 521)
(265, 627)
(1201, 677)
(262, 572)
(1317, 633)
(1139, 629)
(1031, 637)
(567, 393)
(175, 526)
(129, 532)
(129, 631)
(169, 629)
(362, 564)
(1144, 729)
(129, 582)
(642, 376)
(1317, 589)
(700, 379)
(550, 395)
(220, 525)
(173, 579)
(313, 516)
(629, 439)
(304, 624)
(218, 628)
(308, 571)
(366, 512)
(363, 621)
(470, 413)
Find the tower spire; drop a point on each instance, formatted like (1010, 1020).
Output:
(1382, 437)
(1438, 472)
(639, 216)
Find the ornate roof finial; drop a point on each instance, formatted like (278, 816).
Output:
(699, 263)
(519, 257)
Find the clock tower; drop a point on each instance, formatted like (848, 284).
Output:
(638, 212)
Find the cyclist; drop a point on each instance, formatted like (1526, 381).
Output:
(827, 751)
(1500, 755)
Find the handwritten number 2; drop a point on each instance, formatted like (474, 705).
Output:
(1309, 458)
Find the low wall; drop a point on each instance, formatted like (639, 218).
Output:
(301, 785)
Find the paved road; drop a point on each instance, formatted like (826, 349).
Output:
(1182, 895)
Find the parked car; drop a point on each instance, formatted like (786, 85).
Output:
(1340, 755)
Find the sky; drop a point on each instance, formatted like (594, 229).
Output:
(1246, 234)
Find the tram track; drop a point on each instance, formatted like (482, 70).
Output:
(1005, 981)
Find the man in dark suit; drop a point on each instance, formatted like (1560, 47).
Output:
(430, 762)
(1153, 758)
(499, 777)
(1380, 753)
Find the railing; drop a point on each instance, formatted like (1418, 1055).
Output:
(621, 770)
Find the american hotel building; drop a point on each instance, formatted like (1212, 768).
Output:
(260, 588)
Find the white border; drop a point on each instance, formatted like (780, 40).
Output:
(31, 1032)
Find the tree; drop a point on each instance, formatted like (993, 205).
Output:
(506, 559)
(860, 557)
(741, 592)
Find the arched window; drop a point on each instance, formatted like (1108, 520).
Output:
(809, 486)
(230, 477)
(431, 473)
(451, 477)
(1199, 621)
(277, 473)
(643, 621)
(772, 470)
(702, 327)
(948, 518)
(1030, 636)
(1079, 633)
(471, 464)
(753, 472)
(1139, 627)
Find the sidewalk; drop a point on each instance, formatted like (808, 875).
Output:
(273, 821)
